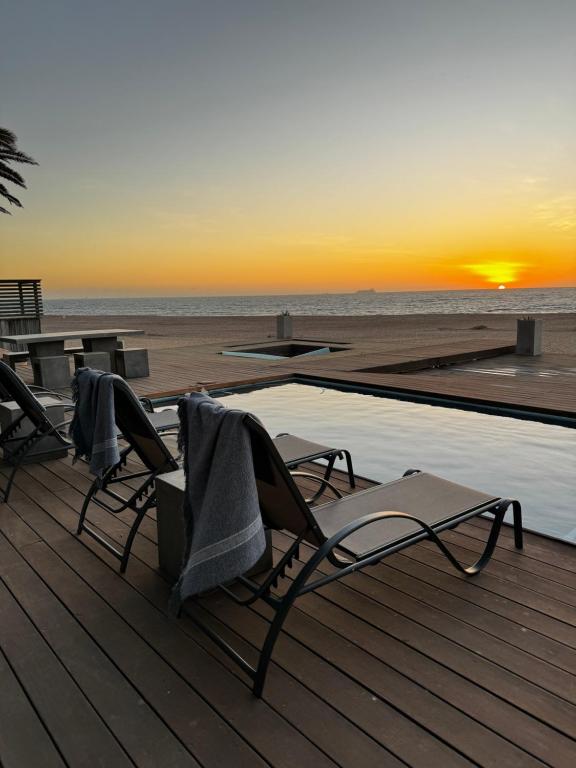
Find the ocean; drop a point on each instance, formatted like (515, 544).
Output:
(513, 301)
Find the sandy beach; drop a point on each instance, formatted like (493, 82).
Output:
(390, 332)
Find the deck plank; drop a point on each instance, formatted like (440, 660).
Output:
(24, 741)
(350, 731)
(405, 664)
(449, 643)
(146, 738)
(55, 695)
(267, 731)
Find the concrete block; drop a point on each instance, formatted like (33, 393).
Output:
(49, 447)
(283, 326)
(51, 372)
(529, 337)
(106, 344)
(132, 363)
(172, 531)
(100, 361)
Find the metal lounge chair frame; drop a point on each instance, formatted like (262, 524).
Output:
(37, 391)
(283, 507)
(311, 452)
(135, 418)
(143, 440)
(33, 410)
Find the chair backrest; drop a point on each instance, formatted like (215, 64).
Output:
(137, 430)
(13, 388)
(281, 503)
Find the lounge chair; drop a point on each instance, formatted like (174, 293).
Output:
(351, 532)
(142, 428)
(142, 436)
(33, 409)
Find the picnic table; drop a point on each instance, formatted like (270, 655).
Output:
(48, 355)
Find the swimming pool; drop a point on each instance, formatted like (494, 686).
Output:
(527, 460)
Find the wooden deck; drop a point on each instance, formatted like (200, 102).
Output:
(407, 354)
(418, 370)
(405, 664)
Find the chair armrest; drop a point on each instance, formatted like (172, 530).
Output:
(323, 485)
(168, 432)
(471, 570)
(39, 391)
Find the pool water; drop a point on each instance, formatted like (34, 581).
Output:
(504, 456)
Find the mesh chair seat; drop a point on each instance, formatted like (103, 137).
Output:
(295, 451)
(432, 499)
(164, 420)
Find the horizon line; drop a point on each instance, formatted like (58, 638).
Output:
(361, 291)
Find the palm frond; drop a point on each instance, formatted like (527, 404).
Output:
(11, 155)
(7, 138)
(11, 199)
(10, 175)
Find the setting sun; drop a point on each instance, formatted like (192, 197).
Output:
(499, 272)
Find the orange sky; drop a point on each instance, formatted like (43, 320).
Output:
(177, 254)
(209, 149)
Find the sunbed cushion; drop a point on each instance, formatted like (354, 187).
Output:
(427, 497)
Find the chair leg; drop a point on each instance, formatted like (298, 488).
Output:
(351, 478)
(141, 514)
(84, 510)
(6, 491)
(280, 618)
(518, 533)
(21, 453)
(475, 568)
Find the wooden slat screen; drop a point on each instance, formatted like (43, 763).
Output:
(20, 298)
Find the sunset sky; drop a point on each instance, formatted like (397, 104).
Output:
(280, 146)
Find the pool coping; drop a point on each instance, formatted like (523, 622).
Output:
(346, 382)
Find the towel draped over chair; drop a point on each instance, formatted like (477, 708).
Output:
(225, 533)
(93, 428)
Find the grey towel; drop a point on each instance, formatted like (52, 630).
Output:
(225, 534)
(93, 428)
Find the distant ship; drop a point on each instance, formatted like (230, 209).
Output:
(366, 290)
